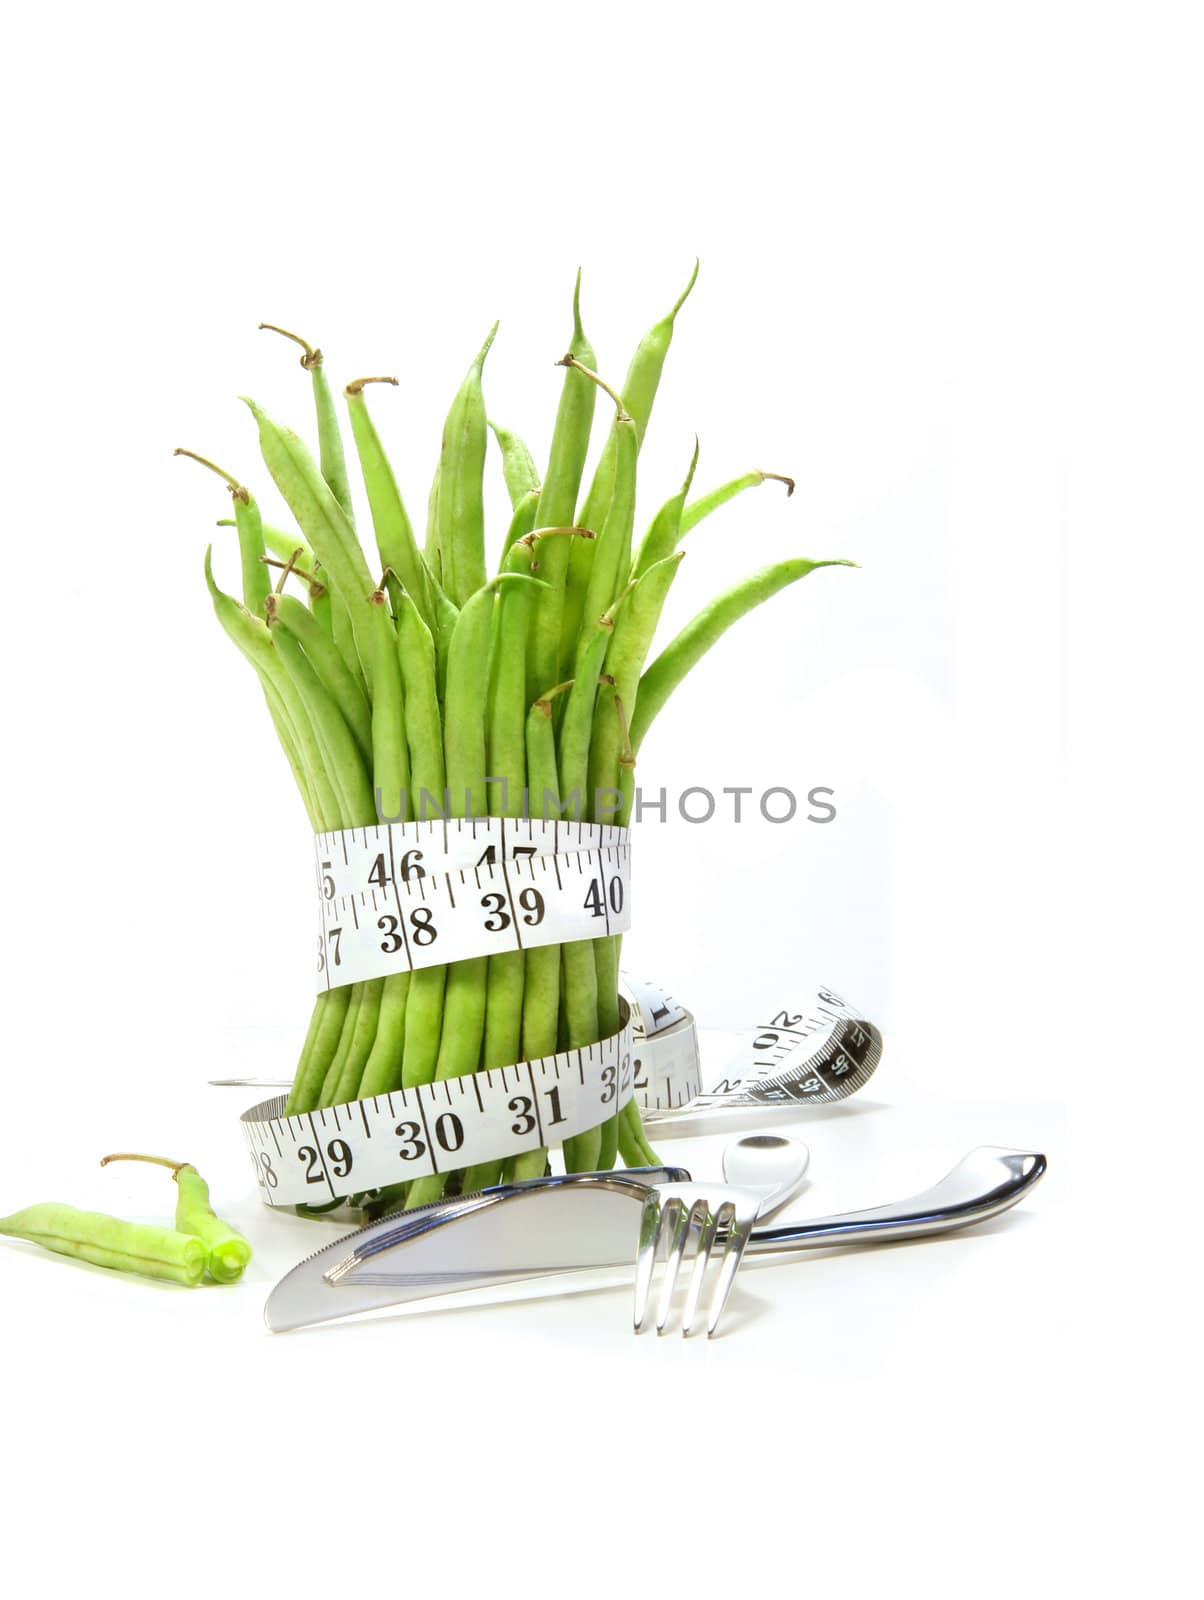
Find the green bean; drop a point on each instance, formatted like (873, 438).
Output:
(541, 988)
(394, 534)
(423, 1026)
(109, 1242)
(431, 552)
(424, 725)
(611, 759)
(424, 730)
(466, 699)
(321, 520)
(321, 1042)
(328, 1094)
(521, 523)
(461, 496)
(255, 581)
(579, 995)
(579, 714)
(390, 757)
(278, 542)
(705, 630)
(287, 546)
(342, 761)
(330, 440)
(558, 497)
(628, 647)
(333, 467)
(227, 1252)
(637, 397)
(250, 635)
(464, 753)
(383, 1069)
(518, 467)
(706, 503)
(665, 530)
(355, 807)
(391, 786)
(286, 734)
(445, 611)
(579, 987)
(463, 1012)
(359, 1045)
(613, 555)
(507, 761)
(282, 611)
(639, 393)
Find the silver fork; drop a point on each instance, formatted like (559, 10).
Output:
(676, 1215)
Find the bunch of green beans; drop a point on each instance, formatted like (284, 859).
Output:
(399, 679)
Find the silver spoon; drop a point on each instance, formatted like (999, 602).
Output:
(775, 1165)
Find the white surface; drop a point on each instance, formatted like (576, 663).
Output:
(951, 275)
(547, 1418)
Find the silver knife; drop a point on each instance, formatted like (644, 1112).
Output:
(586, 1221)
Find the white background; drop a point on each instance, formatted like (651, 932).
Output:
(951, 282)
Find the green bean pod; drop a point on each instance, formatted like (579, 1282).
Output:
(332, 462)
(330, 440)
(464, 985)
(507, 770)
(320, 518)
(541, 988)
(359, 1043)
(431, 552)
(711, 501)
(250, 635)
(521, 523)
(639, 393)
(341, 759)
(705, 630)
(227, 1252)
(347, 692)
(464, 752)
(610, 768)
(318, 1051)
(424, 730)
(423, 721)
(255, 581)
(665, 529)
(395, 542)
(613, 557)
(518, 465)
(382, 1067)
(287, 735)
(558, 499)
(629, 644)
(287, 546)
(461, 512)
(109, 1242)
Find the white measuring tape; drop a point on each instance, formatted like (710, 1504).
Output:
(400, 896)
(406, 895)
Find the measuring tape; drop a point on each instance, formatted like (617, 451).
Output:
(400, 896)
(404, 895)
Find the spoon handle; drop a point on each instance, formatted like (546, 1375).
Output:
(984, 1183)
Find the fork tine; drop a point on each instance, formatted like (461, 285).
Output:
(737, 1238)
(684, 1220)
(646, 1258)
(706, 1240)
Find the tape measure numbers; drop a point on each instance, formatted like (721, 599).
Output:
(400, 896)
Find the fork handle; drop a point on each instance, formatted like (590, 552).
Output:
(987, 1181)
